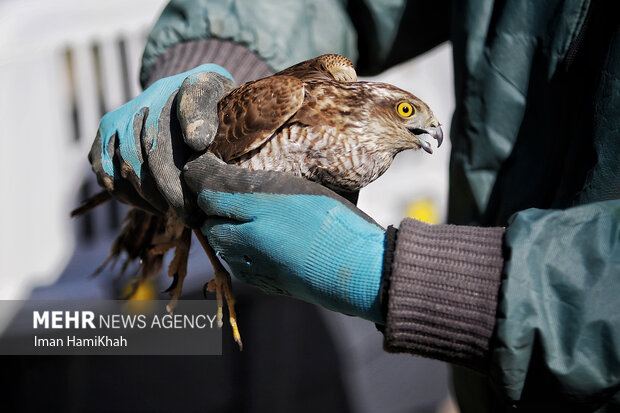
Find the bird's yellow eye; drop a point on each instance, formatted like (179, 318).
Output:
(405, 109)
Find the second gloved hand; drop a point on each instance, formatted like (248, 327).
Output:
(291, 236)
(141, 147)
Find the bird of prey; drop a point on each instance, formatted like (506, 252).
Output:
(313, 120)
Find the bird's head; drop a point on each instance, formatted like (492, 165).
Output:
(406, 121)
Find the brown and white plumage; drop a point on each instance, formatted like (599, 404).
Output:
(341, 133)
(313, 120)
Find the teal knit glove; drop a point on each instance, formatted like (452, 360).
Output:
(141, 147)
(291, 236)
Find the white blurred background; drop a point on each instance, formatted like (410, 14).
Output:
(65, 63)
(49, 113)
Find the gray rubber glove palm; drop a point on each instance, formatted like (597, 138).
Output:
(141, 148)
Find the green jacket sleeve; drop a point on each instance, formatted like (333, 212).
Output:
(375, 34)
(282, 32)
(558, 322)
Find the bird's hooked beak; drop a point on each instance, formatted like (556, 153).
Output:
(424, 134)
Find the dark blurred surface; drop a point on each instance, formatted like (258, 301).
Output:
(296, 357)
(301, 373)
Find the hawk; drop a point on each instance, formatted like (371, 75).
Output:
(313, 120)
(317, 121)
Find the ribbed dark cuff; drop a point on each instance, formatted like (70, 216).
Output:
(243, 64)
(388, 259)
(442, 294)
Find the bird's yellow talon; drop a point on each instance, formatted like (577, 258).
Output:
(171, 306)
(236, 334)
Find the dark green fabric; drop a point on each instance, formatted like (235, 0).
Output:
(536, 148)
(537, 125)
(282, 32)
(564, 285)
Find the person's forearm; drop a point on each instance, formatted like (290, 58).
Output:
(281, 32)
(441, 291)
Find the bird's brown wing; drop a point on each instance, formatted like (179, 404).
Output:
(324, 67)
(253, 112)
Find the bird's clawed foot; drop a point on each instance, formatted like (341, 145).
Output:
(221, 285)
(178, 266)
(214, 287)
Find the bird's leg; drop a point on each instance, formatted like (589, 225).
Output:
(178, 267)
(163, 247)
(221, 282)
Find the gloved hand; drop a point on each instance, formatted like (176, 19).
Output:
(290, 236)
(140, 148)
